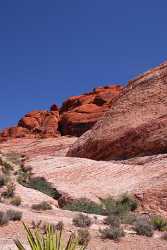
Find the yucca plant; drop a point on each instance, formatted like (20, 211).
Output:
(52, 240)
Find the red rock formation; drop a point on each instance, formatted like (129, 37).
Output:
(80, 113)
(35, 124)
(136, 125)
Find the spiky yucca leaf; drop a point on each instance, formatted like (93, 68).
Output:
(51, 241)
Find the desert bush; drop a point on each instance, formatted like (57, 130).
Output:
(3, 218)
(24, 174)
(159, 223)
(85, 205)
(44, 205)
(83, 237)
(113, 233)
(14, 157)
(10, 190)
(51, 240)
(36, 224)
(14, 215)
(82, 220)
(16, 201)
(143, 227)
(120, 206)
(42, 185)
(128, 218)
(112, 221)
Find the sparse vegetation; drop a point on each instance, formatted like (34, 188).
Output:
(42, 185)
(143, 227)
(82, 220)
(14, 157)
(10, 190)
(120, 206)
(3, 218)
(83, 237)
(112, 220)
(113, 233)
(159, 223)
(44, 205)
(86, 206)
(14, 215)
(16, 201)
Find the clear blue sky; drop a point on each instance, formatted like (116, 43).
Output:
(52, 49)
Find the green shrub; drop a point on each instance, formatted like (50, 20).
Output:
(44, 205)
(143, 227)
(113, 233)
(16, 201)
(120, 206)
(41, 184)
(112, 220)
(14, 215)
(82, 220)
(83, 237)
(128, 201)
(159, 223)
(85, 205)
(9, 192)
(3, 218)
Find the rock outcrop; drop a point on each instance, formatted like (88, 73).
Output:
(35, 124)
(77, 115)
(80, 113)
(136, 125)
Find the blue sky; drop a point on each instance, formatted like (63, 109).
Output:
(52, 49)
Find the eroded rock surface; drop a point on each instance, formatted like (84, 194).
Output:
(136, 125)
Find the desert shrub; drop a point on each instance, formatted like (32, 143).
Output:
(159, 223)
(6, 167)
(83, 237)
(85, 205)
(3, 218)
(14, 157)
(10, 190)
(120, 206)
(36, 224)
(113, 233)
(143, 227)
(14, 215)
(24, 174)
(128, 218)
(82, 220)
(128, 202)
(16, 201)
(44, 205)
(42, 185)
(112, 220)
(164, 236)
